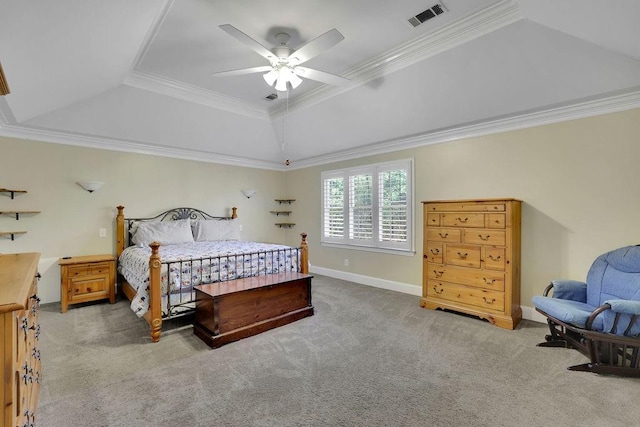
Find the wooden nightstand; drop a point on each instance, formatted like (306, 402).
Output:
(87, 278)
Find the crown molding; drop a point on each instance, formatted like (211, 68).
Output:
(611, 102)
(587, 107)
(179, 90)
(128, 146)
(477, 24)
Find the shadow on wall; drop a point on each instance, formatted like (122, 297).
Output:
(544, 248)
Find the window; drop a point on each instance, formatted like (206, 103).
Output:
(369, 206)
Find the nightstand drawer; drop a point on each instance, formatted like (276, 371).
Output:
(89, 285)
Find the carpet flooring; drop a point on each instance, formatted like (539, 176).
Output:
(368, 357)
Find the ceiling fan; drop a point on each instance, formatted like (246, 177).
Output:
(285, 61)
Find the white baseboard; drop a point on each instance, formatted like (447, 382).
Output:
(528, 313)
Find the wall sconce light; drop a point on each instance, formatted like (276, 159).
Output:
(248, 193)
(90, 186)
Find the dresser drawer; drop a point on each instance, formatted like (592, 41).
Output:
(485, 237)
(465, 207)
(479, 278)
(432, 220)
(463, 255)
(463, 220)
(494, 258)
(486, 299)
(433, 252)
(444, 235)
(496, 221)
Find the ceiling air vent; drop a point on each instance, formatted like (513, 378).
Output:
(432, 12)
(272, 96)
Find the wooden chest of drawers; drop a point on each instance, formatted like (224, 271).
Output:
(19, 354)
(87, 278)
(471, 258)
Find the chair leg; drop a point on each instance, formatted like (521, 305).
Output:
(605, 370)
(554, 339)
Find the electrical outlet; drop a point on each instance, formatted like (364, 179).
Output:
(346, 262)
(102, 232)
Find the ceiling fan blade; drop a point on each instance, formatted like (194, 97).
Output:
(321, 76)
(242, 71)
(248, 41)
(316, 47)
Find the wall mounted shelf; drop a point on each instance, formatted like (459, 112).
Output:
(17, 213)
(12, 192)
(283, 213)
(278, 213)
(11, 233)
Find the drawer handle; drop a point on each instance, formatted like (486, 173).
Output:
(489, 302)
(443, 236)
(438, 274)
(434, 251)
(484, 238)
(464, 221)
(488, 281)
(435, 289)
(495, 258)
(463, 256)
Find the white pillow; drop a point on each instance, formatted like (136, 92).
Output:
(216, 229)
(164, 232)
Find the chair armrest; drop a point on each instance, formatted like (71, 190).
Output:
(624, 306)
(574, 290)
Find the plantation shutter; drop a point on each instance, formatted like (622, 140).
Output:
(333, 196)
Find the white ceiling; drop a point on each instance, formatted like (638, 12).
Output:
(136, 76)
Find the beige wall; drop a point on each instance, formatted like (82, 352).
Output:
(145, 185)
(578, 181)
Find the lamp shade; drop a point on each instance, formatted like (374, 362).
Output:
(270, 77)
(90, 186)
(248, 193)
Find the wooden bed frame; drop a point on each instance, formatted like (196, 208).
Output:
(153, 316)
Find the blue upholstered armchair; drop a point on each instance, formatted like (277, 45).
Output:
(601, 317)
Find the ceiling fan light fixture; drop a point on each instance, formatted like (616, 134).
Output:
(271, 77)
(281, 85)
(294, 80)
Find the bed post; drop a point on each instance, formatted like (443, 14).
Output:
(234, 212)
(304, 254)
(154, 314)
(120, 231)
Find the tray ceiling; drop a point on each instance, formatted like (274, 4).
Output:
(136, 76)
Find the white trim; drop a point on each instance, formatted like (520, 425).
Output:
(369, 281)
(593, 106)
(183, 91)
(528, 313)
(114, 144)
(403, 252)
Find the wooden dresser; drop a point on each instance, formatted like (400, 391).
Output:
(471, 251)
(19, 356)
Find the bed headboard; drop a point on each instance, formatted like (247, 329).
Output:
(124, 225)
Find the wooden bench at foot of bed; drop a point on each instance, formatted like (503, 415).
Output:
(235, 309)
